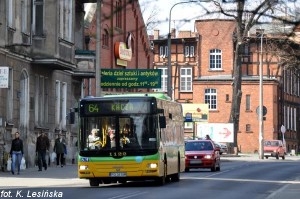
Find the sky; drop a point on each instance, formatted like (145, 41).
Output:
(180, 13)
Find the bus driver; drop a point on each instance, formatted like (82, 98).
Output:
(94, 139)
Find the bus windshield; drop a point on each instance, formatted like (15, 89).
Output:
(111, 133)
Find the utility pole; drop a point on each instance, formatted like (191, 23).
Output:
(261, 119)
(98, 49)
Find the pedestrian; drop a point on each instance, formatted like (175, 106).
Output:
(207, 137)
(42, 147)
(16, 152)
(59, 148)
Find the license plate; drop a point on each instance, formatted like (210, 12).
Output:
(117, 174)
(195, 161)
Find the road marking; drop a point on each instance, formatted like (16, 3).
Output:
(128, 195)
(243, 180)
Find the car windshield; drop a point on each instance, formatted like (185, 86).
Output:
(271, 143)
(198, 146)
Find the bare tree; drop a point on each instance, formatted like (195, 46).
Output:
(246, 17)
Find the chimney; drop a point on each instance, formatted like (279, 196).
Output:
(156, 34)
(173, 33)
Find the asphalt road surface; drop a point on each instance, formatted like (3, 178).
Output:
(239, 178)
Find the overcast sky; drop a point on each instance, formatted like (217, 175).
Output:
(180, 13)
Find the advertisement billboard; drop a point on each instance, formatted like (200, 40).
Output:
(219, 132)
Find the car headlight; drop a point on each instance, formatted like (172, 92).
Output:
(208, 156)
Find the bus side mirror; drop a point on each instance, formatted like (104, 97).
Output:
(162, 122)
(72, 115)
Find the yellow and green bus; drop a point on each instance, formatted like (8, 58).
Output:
(130, 137)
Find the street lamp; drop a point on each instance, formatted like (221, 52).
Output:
(261, 121)
(169, 82)
(283, 130)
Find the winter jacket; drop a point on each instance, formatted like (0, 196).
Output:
(59, 146)
(16, 145)
(42, 143)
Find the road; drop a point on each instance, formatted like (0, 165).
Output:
(239, 178)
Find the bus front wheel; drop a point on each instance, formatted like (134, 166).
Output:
(94, 182)
(162, 180)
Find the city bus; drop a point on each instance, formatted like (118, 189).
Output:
(130, 137)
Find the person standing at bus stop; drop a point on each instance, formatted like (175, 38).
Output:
(42, 146)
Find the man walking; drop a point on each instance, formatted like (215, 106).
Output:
(16, 153)
(42, 146)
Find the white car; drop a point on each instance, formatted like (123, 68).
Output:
(223, 147)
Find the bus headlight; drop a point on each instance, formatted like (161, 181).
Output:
(152, 165)
(83, 167)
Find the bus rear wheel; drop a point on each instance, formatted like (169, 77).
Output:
(176, 176)
(94, 182)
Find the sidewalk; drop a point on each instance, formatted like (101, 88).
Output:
(255, 157)
(31, 177)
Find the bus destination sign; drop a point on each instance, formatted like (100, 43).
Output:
(108, 107)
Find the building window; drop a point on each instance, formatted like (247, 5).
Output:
(189, 51)
(66, 19)
(215, 59)
(248, 128)
(105, 38)
(38, 17)
(227, 98)
(119, 14)
(61, 104)
(186, 79)
(163, 51)
(41, 101)
(24, 16)
(211, 98)
(248, 102)
(164, 79)
(10, 13)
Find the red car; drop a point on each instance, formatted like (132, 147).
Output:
(202, 154)
(274, 148)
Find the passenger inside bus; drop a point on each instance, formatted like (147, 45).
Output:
(94, 140)
(111, 134)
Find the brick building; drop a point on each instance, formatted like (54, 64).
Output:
(121, 21)
(206, 77)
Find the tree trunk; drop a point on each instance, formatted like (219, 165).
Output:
(236, 93)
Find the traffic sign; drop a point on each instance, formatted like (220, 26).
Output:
(264, 110)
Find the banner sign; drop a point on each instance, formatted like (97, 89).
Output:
(219, 132)
(4, 72)
(130, 78)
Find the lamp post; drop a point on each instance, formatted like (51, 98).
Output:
(283, 130)
(169, 82)
(98, 49)
(261, 121)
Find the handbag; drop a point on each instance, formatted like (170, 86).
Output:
(53, 156)
(23, 164)
(8, 168)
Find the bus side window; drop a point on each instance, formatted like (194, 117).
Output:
(162, 122)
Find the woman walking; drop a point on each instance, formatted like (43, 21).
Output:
(16, 153)
(59, 148)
